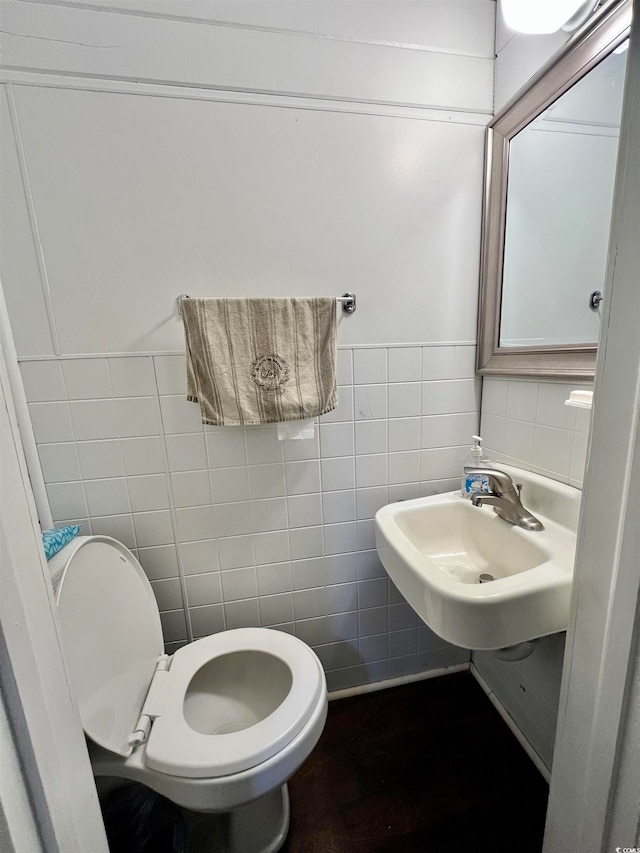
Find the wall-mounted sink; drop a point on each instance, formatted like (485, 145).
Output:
(435, 549)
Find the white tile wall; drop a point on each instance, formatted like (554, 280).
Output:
(234, 527)
(525, 423)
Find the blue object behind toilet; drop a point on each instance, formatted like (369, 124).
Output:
(55, 540)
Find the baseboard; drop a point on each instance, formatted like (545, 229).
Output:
(517, 731)
(397, 682)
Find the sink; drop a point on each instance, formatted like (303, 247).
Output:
(436, 548)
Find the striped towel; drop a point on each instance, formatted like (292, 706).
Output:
(258, 361)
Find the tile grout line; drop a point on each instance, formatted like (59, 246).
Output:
(69, 356)
(124, 469)
(322, 556)
(172, 507)
(251, 534)
(288, 530)
(215, 537)
(73, 433)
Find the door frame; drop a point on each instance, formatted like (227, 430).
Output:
(591, 801)
(55, 794)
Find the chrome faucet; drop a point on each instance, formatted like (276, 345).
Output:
(504, 498)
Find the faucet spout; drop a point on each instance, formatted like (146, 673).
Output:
(504, 499)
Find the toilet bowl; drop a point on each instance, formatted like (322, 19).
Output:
(217, 727)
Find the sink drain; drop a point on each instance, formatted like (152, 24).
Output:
(485, 578)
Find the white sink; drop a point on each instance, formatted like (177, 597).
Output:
(435, 549)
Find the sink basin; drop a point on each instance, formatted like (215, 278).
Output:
(435, 549)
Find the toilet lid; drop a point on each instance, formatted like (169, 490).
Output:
(234, 700)
(111, 634)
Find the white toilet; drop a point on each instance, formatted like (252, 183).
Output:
(217, 727)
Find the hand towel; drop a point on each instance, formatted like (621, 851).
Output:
(258, 361)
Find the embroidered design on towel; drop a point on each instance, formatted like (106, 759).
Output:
(270, 373)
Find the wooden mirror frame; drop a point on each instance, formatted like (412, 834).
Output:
(585, 49)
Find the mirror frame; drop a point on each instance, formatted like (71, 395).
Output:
(586, 48)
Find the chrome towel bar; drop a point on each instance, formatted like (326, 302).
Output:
(348, 301)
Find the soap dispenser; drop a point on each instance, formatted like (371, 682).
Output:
(475, 484)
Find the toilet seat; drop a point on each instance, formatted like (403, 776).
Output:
(111, 632)
(176, 748)
(184, 709)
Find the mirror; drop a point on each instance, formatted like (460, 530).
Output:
(562, 170)
(550, 174)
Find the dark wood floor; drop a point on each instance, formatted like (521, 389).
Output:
(428, 767)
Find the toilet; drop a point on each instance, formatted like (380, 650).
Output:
(217, 727)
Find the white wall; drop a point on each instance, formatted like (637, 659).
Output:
(518, 57)
(229, 149)
(213, 186)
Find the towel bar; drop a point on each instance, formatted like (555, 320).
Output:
(348, 301)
